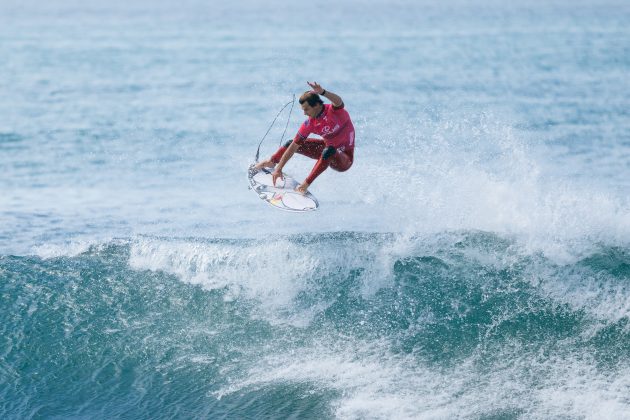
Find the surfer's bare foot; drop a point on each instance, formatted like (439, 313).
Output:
(302, 188)
(265, 164)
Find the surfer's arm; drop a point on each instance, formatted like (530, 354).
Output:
(332, 97)
(288, 154)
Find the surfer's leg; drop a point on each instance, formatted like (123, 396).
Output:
(311, 148)
(342, 161)
(323, 162)
(275, 158)
(265, 164)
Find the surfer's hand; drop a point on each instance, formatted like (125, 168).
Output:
(275, 175)
(302, 188)
(316, 87)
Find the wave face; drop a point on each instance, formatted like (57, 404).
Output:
(352, 325)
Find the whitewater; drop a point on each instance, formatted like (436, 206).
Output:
(473, 263)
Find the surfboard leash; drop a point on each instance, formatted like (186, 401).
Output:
(288, 120)
(292, 101)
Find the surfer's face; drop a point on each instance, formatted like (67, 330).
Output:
(311, 111)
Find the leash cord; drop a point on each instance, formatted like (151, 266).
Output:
(292, 101)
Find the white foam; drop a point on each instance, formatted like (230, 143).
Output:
(69, 248)
(475, 172)
(270, 272)
(373, 383)
(258, 269)
(602, 296)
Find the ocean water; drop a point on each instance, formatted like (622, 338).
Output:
(474, 263)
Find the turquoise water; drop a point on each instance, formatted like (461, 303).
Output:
(361, 326)
(474, 262)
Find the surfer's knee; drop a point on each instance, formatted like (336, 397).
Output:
(341, 168)
(328, 152)
(341, 162)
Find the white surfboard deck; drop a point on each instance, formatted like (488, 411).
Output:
(283, 195)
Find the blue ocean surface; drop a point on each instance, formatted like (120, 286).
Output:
(473, 263)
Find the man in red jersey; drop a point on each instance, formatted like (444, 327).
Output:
(331, 122)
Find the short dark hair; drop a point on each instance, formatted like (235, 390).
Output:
(311, 97)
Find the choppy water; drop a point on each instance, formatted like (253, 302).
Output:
(474, 263)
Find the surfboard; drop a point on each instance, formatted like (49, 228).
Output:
(283, 195)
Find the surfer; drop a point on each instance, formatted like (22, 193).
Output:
(330, 121)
